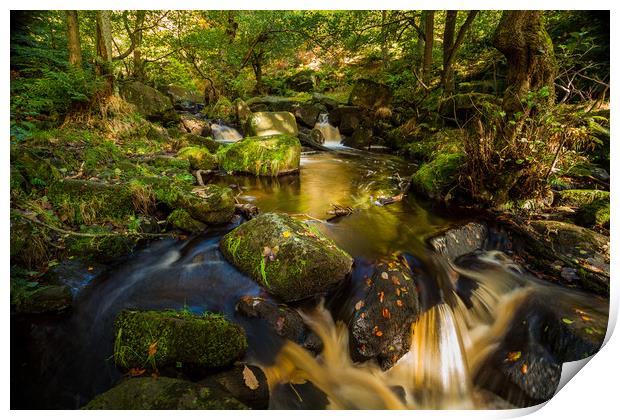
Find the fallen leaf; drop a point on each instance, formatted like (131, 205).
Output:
(385, 313)
(249, 378)
(153, 349)
(359, 305)
(91, 268)
(567, 321)
(384, 275)
(586, 318)
(513, 356)
(378, 333)
(524, 368)
(395, 281)
(399, 303)
(381, 295)
(136, 371)
(286, 233)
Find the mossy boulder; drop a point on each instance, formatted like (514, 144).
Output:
(198, 157)
(148, 101)
(181, 219)
(287, 257)
(89, 202)
(346, 118)
(196, 140)
(163, 393)
(370, 95)
(223, 109)
(272, 103)
(184, 98)
(104, 245)
(434, 178)
(212, 204)
(195, 125)
(596, 213)
(578, 198)
(170, 339)
(27, 298)
(303, 81)
(271, 123)
(276, 155)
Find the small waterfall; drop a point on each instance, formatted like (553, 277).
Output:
(330, 133)
(224, 133)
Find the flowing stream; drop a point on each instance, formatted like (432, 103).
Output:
(225, 133)
(467, 309)
(330, 133)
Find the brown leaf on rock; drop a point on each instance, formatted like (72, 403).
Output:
(249, 378)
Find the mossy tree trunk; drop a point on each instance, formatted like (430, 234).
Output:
(73, 39)
(451, 46)
(104, 49)
(138, 61)
(429, 25)
(522, 38)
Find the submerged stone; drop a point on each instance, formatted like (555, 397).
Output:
(169, 339)
(271, 123)
(163, 393)
(287, 257)
(460, 240)
(276, 155)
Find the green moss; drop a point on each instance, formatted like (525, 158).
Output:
(198, 157)
(101, 248)
(577, 198)
(285, 256)
(262, 155)
(435, 177)
(151, 339)
(88, 202)
(163, 394)
(223, 109)
(181, 219)
(594, 213)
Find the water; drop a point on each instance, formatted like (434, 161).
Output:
(467, 310)
(225, 133)
(330, 133)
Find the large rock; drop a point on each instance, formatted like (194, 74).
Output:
(243, 111)
(324, 100)
(198, 157)
(163, 393)
(148, 101)
(284, 320)
(272, 103)
(271, 123)
(52, 299)
(370, 95)
(245, 383)
(183, 98)
(287, 257)
(346, 118)
(276, 155)
(381, 323)
(460, 240)
(308, 114)
(195, 125)
(169, 339)
(303, 81)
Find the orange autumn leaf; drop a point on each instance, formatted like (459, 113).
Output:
(153, 349)
(524, 368)
(381, 296)
(395, 281)
(586, 318)
(359, 305)
(136, 371)
(513, 356)
(386, 313)
(399, 303)
(378, 333)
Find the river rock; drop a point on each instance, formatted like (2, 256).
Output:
(52, 299)
(198, 157)
(381, 323)
(346, 118)
(184, 99)
(284, 320)
(148, 101)
(181, 219)
(303, 81)
(307, 114)
(360, 139)
(170, 339)
(460, 240)
(291, 260)
(243, 111)
(324, 100)
(245, 383)
(272, 104)
(195, 125)
(163, 393)
(370, 95)
(585, 249)
(263, 124)
(275, 155)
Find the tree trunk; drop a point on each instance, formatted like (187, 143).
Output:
(257, 66)
(429, 25)
(103, 65)
(384, 37)
(73, 39)
(138, 63)
(451, 47)
(232, 26)
(522, 38)
(447, 76)
(419, 48)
